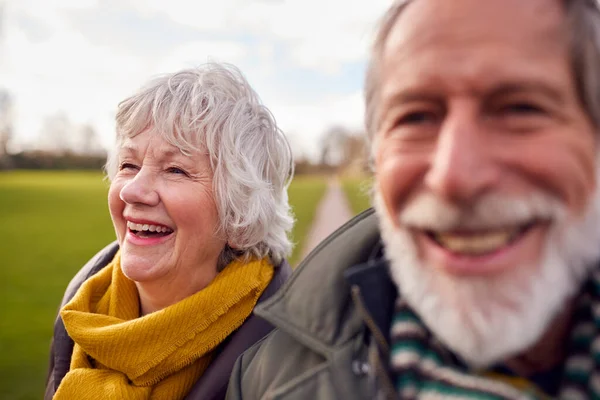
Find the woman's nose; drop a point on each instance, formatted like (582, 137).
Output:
(140, 189)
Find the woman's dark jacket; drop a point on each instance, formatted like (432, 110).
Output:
(212, 385)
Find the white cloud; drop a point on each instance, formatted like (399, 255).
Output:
(65, 71)
(306, 122)
(325, 34)
(48, 12)
(198, 52)
(319, 34)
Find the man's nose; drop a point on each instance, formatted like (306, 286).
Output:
(462, 166)
(140, 189)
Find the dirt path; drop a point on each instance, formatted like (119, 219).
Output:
(332, 212)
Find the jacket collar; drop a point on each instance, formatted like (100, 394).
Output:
(377, 290)
(315, 305)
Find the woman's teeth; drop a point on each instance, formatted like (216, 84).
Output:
(475, 244)
(148, 228)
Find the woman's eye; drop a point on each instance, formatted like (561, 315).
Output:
(176, 170)
(126, 165)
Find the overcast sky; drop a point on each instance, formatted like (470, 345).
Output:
(305, 58)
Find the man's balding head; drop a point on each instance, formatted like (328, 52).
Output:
(582, 31)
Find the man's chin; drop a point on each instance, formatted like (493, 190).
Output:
(483, 319)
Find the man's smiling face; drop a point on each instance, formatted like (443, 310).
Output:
(486, 170)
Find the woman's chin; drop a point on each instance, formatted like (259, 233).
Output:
(139, 269)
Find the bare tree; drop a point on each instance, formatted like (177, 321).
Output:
(89, 143)
(6, 120)
(333, 145)
(356, 157)
(344, 149)
(57, 133)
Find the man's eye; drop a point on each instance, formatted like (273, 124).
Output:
(416, 118)
(523, 108)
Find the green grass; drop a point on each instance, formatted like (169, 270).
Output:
(357, 193)
(52, 223)
(305, 192)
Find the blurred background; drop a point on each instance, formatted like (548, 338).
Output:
(64, 67)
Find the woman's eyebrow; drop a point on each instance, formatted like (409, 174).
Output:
(128, 149)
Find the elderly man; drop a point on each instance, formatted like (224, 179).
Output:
(477, 277)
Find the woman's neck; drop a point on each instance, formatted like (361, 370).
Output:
(158, 294)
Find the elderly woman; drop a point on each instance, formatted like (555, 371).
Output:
(199, 204)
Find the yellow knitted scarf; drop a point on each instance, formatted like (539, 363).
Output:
(120, 355)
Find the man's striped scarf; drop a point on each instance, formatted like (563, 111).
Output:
(425, 370)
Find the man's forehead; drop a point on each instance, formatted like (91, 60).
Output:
(426, 22)
(480, 44)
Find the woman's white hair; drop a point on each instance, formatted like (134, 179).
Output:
(212, 108)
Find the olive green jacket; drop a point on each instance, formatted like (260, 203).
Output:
(328, 343)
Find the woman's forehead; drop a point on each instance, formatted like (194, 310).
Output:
(157, 147)
(163, 144)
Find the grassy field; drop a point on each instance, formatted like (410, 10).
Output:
(52, 222)
(357, 192)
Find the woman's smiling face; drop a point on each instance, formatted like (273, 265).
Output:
(163, 210)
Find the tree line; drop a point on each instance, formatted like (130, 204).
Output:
(65, 145)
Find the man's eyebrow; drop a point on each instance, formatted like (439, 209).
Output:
(507, 89)
(410, 96)
(502, 89)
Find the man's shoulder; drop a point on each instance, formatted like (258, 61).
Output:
(353, 243)
(312, 302)
(355, 238)
(276, 365)
(314, 319)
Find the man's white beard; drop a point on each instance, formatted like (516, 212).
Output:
(487, 319)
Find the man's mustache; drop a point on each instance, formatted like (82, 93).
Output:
(491, 211)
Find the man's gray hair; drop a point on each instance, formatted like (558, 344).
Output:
(583, 17)
(213, 109)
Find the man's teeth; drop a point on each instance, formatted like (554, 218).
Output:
(476, 244)
(147, 227)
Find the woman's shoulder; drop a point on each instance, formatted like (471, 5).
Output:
(282, 272)
(95, 264)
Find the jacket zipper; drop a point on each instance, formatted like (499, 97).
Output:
(388, 387)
